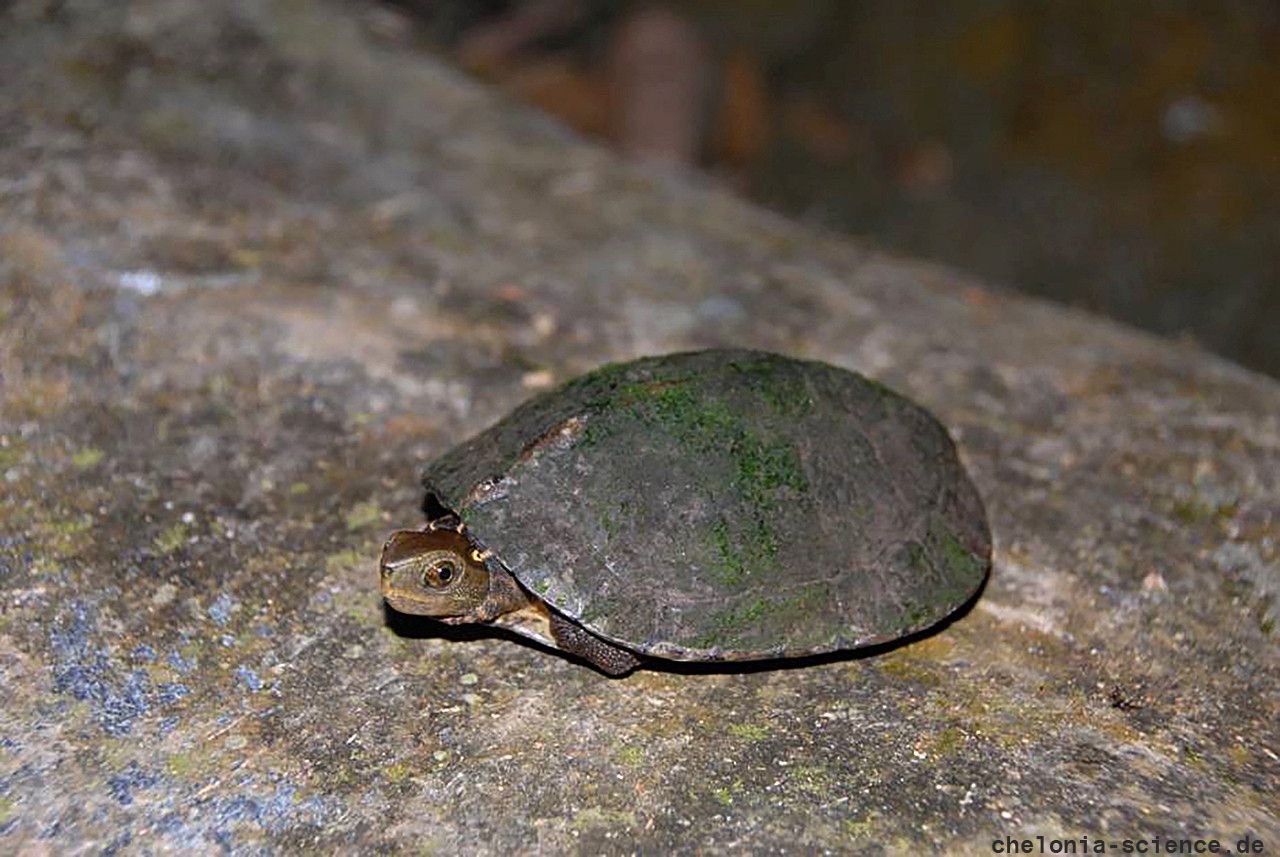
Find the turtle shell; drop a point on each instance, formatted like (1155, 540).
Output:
(725, 504)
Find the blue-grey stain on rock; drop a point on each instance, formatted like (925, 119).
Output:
(89, 672)
(719, 505)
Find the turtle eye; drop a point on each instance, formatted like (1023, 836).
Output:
(440, 575)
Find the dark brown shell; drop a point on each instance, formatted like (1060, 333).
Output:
(725, 505)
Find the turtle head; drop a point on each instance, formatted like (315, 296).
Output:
(434, 573)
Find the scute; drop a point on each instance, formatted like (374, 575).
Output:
(726, 505)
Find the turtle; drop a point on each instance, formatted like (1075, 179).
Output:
(715, 505)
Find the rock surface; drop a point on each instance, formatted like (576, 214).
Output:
(258, 264)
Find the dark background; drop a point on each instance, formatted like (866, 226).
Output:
(1121, 157)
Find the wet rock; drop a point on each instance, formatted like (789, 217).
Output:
(256, 267)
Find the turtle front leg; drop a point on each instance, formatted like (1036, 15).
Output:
(606, 657)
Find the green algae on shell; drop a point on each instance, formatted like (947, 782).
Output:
(725, 504)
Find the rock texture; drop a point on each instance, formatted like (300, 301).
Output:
(258, 264)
